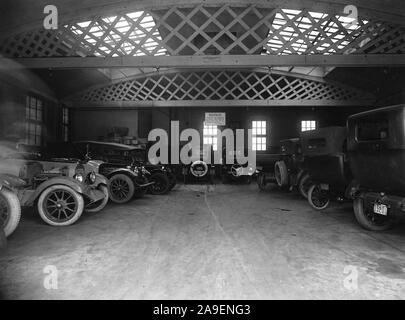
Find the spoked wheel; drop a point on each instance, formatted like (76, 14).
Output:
(161, 183)
(99, 205)
(303, 185)
(261, 181)
(60, 205)
(318, 199)
(368, 219)
(121, 188)
(10, 211)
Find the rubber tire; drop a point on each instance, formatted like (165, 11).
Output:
(131, 188)
(311, 190)
(206, 169)
(261, 181)
(76, 216)
(358, 209)
(283, 178)
(304, 178)
(15, 211)
(164, 179)
(102, 203)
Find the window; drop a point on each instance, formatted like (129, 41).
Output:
(372, 128)
(65, 124)
(210, 136)
(259, 135)
(308, 125)
(34, 118)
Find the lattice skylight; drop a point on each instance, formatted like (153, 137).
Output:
(126, 34)
(210, 30)
(306, 32)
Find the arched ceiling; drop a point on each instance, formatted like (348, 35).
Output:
(127, 38)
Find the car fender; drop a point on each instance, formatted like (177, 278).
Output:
(100, 179)
(70, 182)
(125, 171)
(300, 174)
(10, 181)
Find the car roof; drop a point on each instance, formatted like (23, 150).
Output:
(379, 110)
(110, 144)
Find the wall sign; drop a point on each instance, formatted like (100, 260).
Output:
(215, 118)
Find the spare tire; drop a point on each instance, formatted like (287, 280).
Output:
(281, 174)
(199, 169)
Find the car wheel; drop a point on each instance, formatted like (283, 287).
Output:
(60, 206)
(318, 198)
(10, 211)
(281, 174)
(121, 188)
(99, 205)
(261, 181)
(368, 219)
(161, 183)
(304, 185)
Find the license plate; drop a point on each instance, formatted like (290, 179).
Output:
(380, 209)
(324, 186)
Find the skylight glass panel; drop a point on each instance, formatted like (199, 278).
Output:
(317, 32)
(128, 34)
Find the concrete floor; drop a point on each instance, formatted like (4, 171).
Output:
(207, 242)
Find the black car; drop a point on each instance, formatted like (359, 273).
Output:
(125, 181)
(325, 152)
(376, 147)
(122, 155)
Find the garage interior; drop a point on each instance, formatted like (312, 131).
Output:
(139, 65)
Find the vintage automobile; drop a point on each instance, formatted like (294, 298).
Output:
(125, 181)
(235, 172)
(162, 176)
(200, 169)
(290, 170)
(61, 189)
(376, 146)
(325, 152)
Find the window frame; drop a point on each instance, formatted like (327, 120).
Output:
(34, 120)
(65, 124)
(308, 125)
(210, 133)
(259, 135)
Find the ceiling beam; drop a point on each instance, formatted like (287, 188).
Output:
(237, 61)
(220, 103)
